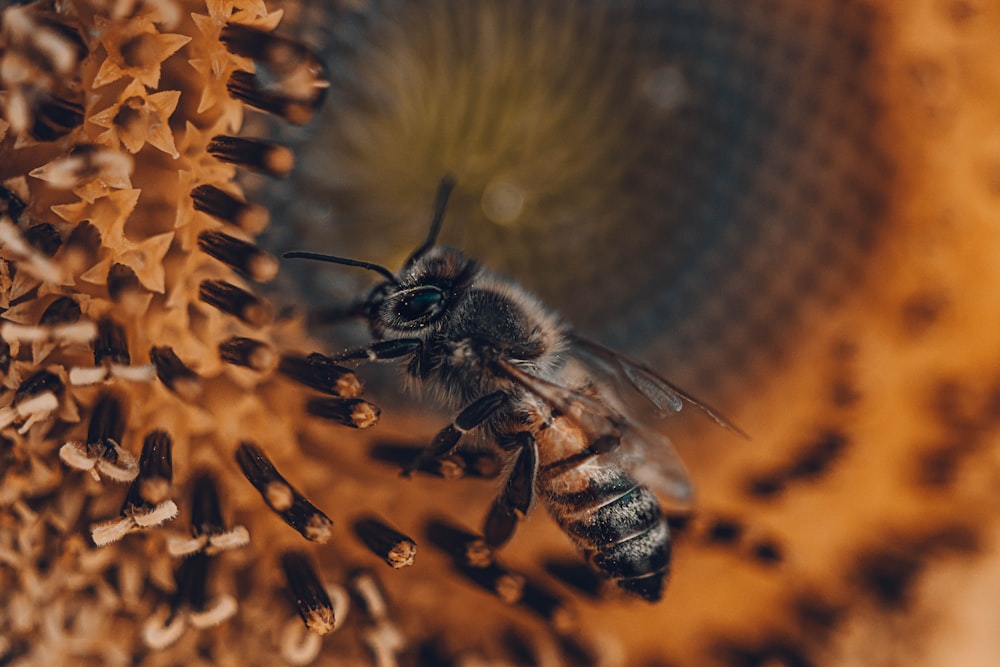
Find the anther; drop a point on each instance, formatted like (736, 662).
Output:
(208, 529)
(11, 205)
(578, 576)
(253, 154)
(281, 496)
(506, 585)
(320, 373)
(235, 301)
(64, 310)
(111, 358)
(289, 80)
(29, 258)
(102, 453)
(174, 373)
(55, 117)
(82, 248)
(374, 601)
(59, 322)
(44, 237)
(548, 606)
(122, 282)
(189, 605)
(311, 599)
(465, 548)
(222, 206)
(392, 546)
(40, 383)
(35, 399)
(353, 412)
(247, 352)
(111, 346)
(243, 256)
(137, 512)
(156, 467)
(409, 459)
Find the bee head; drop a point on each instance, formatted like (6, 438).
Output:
(430, 280)
(422, 293)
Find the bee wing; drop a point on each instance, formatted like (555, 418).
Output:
(615, 438)
(636, 387)
(651, 459)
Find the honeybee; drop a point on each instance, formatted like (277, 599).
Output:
(570, 417)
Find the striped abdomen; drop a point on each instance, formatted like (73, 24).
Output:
(615, 522)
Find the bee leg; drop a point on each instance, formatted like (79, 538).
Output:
(447, 438)
(517, 496)
(382, 350)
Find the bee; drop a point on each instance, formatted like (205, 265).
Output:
(570, 417)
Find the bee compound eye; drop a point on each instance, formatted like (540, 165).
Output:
(419, 303)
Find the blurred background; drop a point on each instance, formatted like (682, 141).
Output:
(681, 179)
(787, 207)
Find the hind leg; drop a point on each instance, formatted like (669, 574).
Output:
(518, 493)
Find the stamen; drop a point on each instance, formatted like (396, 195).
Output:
(29, 259)
(251, 218)
(253, 154)
(453, 466)
(163, 628)
(136, 513)
(247, 352)
(241, 255)
(392, 546)
(11, 205)
(299, 646)
(320, 373)
(175, 374)
(38, 384)
(122, 282)
(59, 323)
(289, 80)
(310, 597)
(353, 412)
(281, 496)
(548, 606)
(208, 528)
(64, 310)
(464, 547)
(34, 400)
(370, 592)
(383, 637)
(111, 359)
(156, 468)
(4, 355)
(506, 585)
(110, 346)
(235, 301)
(44, 237)
(578, 576)
(385, 641)
(55, 117)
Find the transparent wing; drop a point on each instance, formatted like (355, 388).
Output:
(616, 439)
(632, 387)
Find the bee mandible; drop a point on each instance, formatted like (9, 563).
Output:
(570, 417)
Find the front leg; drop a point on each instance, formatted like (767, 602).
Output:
(382, 350)
(447, 438)
(518, 493)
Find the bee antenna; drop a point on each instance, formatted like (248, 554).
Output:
(343, 260)
(440, 204)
